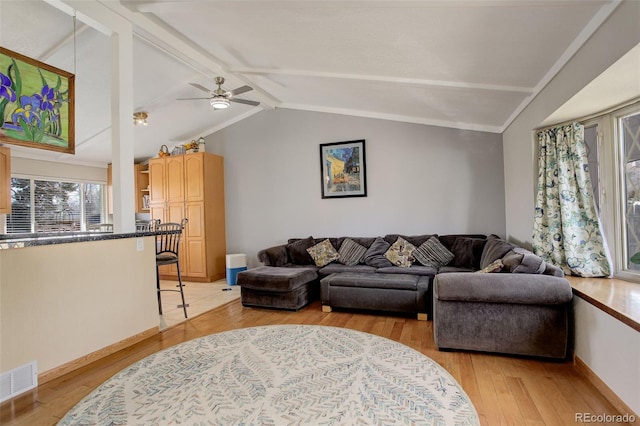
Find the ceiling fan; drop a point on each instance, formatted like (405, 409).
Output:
(219, 98)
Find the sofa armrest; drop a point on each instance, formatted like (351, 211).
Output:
(274, 256)
(525, 289)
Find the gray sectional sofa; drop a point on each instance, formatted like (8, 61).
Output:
(483, 293)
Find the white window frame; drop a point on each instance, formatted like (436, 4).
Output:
(611, 175)
(32, 178)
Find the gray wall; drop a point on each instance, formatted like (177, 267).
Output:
(420, 179)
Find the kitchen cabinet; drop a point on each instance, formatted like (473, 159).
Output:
(5, 180)
(141, 185)
(192, 186)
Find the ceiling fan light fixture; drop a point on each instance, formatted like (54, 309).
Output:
(140, 118)
(219, 102)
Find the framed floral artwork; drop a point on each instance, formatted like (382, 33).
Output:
(343, 169)
(36, 104)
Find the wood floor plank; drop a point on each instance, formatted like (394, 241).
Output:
(504, 390)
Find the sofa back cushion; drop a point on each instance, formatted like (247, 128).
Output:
(416, 240)
(494, 249)
(375, 254)
(466, 249)
(297, 251)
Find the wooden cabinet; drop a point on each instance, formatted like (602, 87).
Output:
(5, 180)
(141, 185)
(192, 186)
(141, 176)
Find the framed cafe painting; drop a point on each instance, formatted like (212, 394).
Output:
(36, 104)
(343, 169)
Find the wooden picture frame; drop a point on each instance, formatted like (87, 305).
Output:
(343, 169)
(37, 108)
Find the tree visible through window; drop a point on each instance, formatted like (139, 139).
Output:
(53, 206)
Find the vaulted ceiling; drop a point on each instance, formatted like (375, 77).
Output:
(462, 64)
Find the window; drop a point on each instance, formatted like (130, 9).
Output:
(39, 205)
(629, 133)
(613, 147)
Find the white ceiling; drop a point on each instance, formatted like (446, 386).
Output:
(462, 64)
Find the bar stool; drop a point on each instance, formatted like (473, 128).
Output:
(167, 253)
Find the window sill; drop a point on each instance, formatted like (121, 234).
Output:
(618, 298)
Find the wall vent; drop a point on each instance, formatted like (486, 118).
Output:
(18, 380)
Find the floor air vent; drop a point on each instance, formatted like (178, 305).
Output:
(18, 380)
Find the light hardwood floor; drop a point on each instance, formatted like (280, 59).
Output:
(504, 390)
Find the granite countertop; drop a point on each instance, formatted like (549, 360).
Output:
(11, 241)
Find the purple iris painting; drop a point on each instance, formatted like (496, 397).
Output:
(36, 103)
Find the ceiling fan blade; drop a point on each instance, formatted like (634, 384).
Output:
(204, 89)
(189, 99)
(239, 90)
(244, 101)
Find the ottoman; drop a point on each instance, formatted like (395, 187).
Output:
(276, 287)
(375, 291)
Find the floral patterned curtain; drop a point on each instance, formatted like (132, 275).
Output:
(566, 229)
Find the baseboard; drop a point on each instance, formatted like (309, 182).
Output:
(54, 373)
(188, 278)
(605, 390)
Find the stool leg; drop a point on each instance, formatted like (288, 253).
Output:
(158, 290)
(184, 305)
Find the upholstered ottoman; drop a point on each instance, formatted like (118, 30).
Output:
(376, 291)
(276, 287)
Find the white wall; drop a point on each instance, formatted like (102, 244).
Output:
(51, 169)
(619, 34)
(62, 302)
(420, 179)
(611, 349)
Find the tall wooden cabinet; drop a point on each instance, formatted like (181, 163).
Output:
(192, 186)
(5, 180)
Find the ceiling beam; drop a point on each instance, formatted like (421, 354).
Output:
(416, 82)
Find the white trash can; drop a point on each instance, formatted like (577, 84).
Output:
(235, 263)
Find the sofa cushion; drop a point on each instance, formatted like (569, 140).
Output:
(416, 240)
(495, 266)
(375, 254)
(521, 261)
(467, 252)
(433, 253)
(275, 278)
(323, 253)
(351, 253)
(502, 288)
(334, 268)
(494, 249)
(427, 271)
(400, 253)
(297, 251)
(384, 281)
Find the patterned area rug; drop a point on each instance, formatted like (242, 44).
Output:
(280, 375)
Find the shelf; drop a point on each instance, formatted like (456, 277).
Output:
(144, 190)
(144, 171)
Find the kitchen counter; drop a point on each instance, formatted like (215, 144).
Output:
(13, 241)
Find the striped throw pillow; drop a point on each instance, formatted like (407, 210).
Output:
(351, 253)
(433, 253)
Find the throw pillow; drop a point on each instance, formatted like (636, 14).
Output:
(400, 253)
(375, 254)
(494, 249)
(433, 253)
(522, 261)
(351, 253)
(323, 253)
(495, 266)
(297, 251)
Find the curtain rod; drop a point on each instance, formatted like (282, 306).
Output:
(590, 116)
